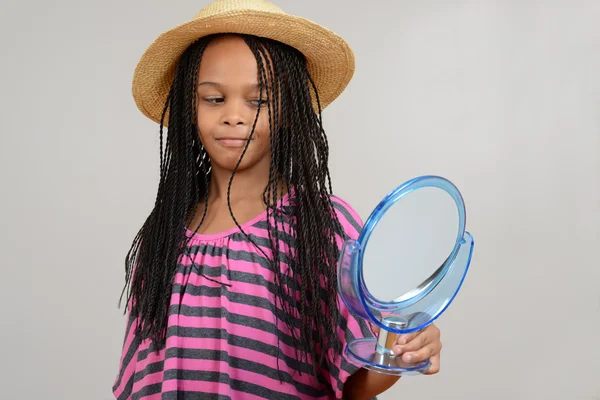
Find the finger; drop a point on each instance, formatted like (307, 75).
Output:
(434, 368)
(422, 338)
(415, 342)
(423, 353)
(406, 338)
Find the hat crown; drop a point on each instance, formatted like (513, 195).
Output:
(227, 6)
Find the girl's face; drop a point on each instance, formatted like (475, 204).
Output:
(228, 100)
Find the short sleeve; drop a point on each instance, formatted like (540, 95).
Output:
(350, 327)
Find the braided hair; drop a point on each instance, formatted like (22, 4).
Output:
(299, 159)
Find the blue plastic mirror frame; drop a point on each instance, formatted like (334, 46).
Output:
(354, 292)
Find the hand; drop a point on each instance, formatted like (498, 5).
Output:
(419, 346)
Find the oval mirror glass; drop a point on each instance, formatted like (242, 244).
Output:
(409, 244)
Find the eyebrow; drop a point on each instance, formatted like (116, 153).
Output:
(210, 84)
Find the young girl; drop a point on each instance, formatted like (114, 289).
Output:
(231, 281)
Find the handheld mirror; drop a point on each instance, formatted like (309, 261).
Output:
(405, 268)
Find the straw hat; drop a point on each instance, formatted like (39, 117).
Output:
(329, 58)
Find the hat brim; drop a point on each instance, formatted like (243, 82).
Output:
(330, 60)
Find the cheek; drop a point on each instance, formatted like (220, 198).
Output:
(204, 125)
(263, 126)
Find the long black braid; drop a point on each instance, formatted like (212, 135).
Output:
(299, 159)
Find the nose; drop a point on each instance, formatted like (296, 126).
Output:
(233, 114)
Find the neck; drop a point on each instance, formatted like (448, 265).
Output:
(247, 185)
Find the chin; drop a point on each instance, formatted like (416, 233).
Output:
(227, 158)
(229, 163)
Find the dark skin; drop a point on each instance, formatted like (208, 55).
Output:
(228, 99)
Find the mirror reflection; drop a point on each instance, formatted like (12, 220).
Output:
(410, 243)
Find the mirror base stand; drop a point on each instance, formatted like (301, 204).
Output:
(376, 354)
(364, 352)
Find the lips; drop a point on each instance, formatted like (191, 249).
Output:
(232, 142)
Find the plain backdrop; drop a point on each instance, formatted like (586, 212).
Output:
(502, 97)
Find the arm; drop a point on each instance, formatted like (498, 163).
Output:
(365, 384)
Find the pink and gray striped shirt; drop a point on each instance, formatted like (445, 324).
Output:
(222, 340)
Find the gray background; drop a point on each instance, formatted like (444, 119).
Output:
(502, 97)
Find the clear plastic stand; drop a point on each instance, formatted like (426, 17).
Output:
(416, 306)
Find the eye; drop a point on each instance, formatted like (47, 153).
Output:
(214, 100)
(259, 102)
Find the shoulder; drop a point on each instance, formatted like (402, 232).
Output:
(349, 218)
